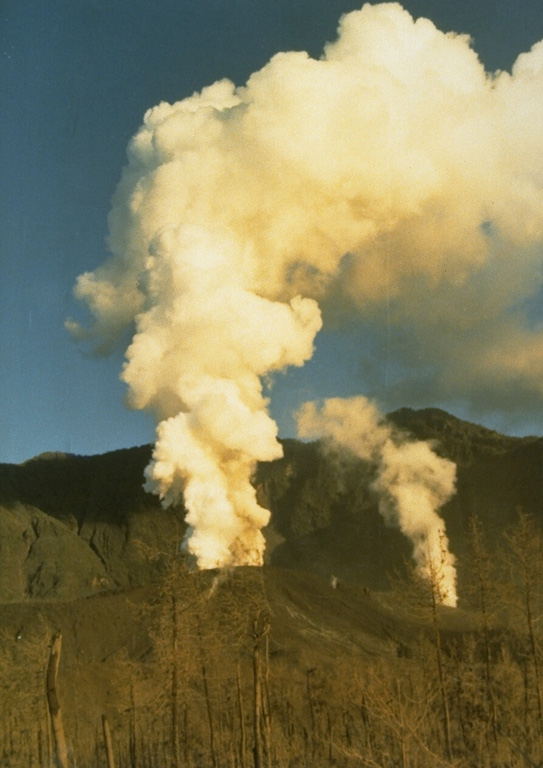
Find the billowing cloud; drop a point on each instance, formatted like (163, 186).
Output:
(393, 176)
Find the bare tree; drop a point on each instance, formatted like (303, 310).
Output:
(481, 588)
(523, 555)
(424, 595)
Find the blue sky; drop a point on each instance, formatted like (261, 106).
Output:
(76, 78)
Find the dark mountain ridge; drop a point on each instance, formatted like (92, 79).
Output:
(74, 525)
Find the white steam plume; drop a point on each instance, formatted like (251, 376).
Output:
(199, 351)
(392, 168)
(412, 481)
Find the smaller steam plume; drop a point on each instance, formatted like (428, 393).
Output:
(412, 481)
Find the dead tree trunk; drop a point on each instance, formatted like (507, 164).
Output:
(441, 678)
(261, 627)
(108, 743)
(257, 699)
(243, 736)
(207, 698)
(132, 748)
(175, 685)
(266, 703)
(309, 672)
(59, 736)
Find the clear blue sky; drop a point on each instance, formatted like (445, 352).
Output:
(76, 77)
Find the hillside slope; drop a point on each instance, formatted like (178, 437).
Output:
(72, 526)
